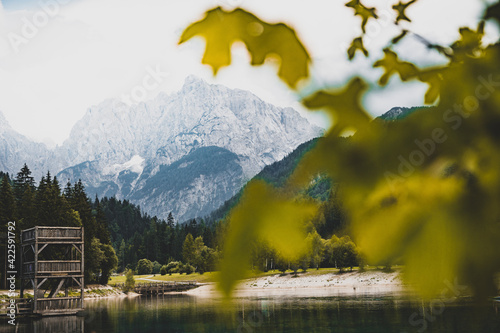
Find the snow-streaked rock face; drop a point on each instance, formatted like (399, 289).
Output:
(16, 149)
(119, 150)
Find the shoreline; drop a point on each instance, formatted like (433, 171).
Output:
(304, 284)
(91, 292)
(310, 283)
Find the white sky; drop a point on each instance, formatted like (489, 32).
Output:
(92, 50)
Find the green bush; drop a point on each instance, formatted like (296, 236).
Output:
(156, 267)
(144, 266)
(188, 269)
(174, 267)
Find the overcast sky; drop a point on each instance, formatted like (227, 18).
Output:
(60, 57)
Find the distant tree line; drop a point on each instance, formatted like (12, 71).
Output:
(196, 255)
(135, 235)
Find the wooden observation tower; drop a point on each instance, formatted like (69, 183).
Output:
(52, 260)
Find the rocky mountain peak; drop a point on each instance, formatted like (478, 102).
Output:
(132, 151)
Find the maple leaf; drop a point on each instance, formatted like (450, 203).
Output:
(365, 12)
(263, 40)
(343, 106)
(469, 43)
(356, 45)
(434, 78)
(401, 8)
(393, 65)
(493, 12)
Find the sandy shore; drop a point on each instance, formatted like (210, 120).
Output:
(310, 284)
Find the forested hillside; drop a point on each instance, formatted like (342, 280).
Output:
(329, 219)
(275, 174)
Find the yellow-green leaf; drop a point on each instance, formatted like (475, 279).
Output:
(365, 12)
(393, 65)
(493, 12)
(263, 40)
(434, 78)
(268, 215)
(401, 8)
(356, 45)
(344, 107)
(469, 43)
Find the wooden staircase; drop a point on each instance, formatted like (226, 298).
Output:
(24, 306)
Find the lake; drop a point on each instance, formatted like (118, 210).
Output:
(273, 313)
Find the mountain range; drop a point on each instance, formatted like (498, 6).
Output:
(186, 152)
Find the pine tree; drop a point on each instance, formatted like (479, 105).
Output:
(170, 220)
(26, 208)
(23, 181)
(101, 223)
(43, 201)
(121, 255)
(68, 192)
(7, 203)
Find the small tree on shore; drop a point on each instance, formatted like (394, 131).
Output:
(129, 281)
(343, 253)
(189, 249)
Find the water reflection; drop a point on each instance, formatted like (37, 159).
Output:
(69, 324)
(184, 313)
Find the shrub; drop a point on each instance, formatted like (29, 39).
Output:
(187, 268)
(144, 266)
(156, 267)
(174, 267)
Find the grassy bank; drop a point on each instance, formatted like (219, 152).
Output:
(212, 277)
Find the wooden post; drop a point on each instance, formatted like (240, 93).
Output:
(35, 286)
(83, 269)
(21, 293)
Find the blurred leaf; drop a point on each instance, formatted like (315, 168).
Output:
(221, 29)
(356, 45)
(267, 215)
(399, 37)
(434, 78)
(393, 65)
(401, 8)
(365, 12)
(344, 107)
(469, 43)
(423, 190)
(493, 12)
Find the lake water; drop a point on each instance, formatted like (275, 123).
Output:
(273, 313)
